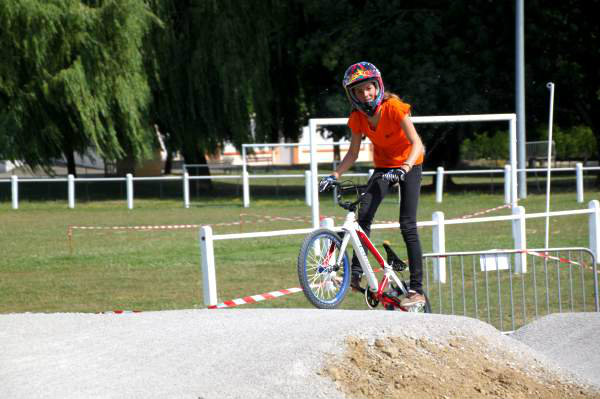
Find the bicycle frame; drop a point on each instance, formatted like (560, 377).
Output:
(324, 270)
(354, 234)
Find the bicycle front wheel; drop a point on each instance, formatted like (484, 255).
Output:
(325, 283)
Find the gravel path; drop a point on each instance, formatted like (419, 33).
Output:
(570, 339)
(240, 353)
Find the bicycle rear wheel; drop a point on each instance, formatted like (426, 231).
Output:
(324, 283)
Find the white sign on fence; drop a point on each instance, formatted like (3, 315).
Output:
(494, 262)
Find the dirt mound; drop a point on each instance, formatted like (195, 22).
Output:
(404, 367)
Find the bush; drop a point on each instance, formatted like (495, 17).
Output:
(485, 146)
(575, 143)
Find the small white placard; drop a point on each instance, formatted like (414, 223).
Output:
(494, 262)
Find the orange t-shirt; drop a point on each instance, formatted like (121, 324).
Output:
(391, 146)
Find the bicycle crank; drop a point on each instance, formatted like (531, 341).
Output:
(371, 299)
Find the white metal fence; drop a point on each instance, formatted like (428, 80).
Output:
(185, 179)
(487, 285)
(438, 224)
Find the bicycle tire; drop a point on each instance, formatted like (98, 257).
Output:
(427, 308)
(323, 286)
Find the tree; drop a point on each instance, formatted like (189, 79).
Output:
(209, 72)
(441, 58)
(72, 78)
(563, 46)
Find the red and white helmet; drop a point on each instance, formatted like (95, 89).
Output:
(359, 73)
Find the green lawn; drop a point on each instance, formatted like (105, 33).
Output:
(155, 270)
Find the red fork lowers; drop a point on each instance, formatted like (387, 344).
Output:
(329, 253)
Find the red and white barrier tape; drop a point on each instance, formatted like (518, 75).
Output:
(118, 311)
(251, 298)
(485, 211)
(148, 227)
(279, 293)
(260, 219)
(542, 255)
(255, 298)
(561, 260)
(276, 294)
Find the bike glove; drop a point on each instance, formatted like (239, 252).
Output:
(326, 183)
(394, 175)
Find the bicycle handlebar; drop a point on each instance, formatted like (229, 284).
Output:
(361, 190)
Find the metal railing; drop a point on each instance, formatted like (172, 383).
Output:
(438, 270)
(245, 177)
(486, 285)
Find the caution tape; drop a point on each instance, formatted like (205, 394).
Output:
(260, 219)
(559, 259)
(255, 298)
(146, 227)
(118, 311)
(542, 255)
(485, 211)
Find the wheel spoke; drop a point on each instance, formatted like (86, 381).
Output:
(325, 282)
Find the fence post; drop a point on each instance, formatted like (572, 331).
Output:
(507, 184)
(186, 189)
(579, 179)
(207, 255)
(439, 184)
(246, 188)
(14, 184)
(519, 239)
(129, 180)
(594, 226)
(71, 190)
(439, 246)
(307, 186)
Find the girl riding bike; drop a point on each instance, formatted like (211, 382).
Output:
(398, 155)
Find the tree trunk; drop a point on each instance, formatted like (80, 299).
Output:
(444, 153)
(198, 158)
(71, 168)
(126, 165)
(169, 163)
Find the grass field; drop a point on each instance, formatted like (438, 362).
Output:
(158, 270)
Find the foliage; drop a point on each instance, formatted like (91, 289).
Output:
(486, 146)
(72, 78)
(100, 73)
(574, 143)
(562, 47)
(210, 67)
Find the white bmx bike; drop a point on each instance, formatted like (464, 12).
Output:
(324, 269)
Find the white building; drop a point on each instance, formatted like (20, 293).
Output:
(293, 155)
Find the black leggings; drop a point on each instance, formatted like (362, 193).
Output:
(409, 200)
